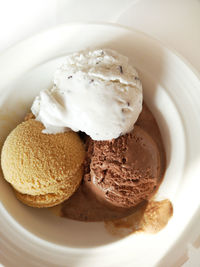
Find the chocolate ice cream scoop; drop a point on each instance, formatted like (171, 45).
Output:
(91, 202)
(124, 171)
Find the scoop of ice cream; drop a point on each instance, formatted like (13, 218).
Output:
(124, 171)
(39, 164)
(97, 92)
(50, 199)
(89, 203)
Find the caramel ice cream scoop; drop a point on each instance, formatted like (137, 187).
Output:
(50, 199)
(44, 169)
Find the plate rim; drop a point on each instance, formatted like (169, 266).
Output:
(113, 24)
(173, 51)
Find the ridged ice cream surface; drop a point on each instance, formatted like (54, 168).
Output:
(95, 91)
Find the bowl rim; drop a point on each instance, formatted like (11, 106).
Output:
(86, 23)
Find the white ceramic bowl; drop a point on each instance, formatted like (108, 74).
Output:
(35, 237)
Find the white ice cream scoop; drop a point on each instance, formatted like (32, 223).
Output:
(97, 92)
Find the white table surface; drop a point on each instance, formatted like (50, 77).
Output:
(175, 22)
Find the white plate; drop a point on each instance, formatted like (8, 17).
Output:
(32, 237)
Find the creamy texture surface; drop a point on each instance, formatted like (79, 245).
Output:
(124, 171)
(97, 92)
(44, 170)
(90, 203)
(151, 217)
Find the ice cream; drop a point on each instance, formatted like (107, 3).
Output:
(119, 175)
(43, 169)
(124, 171)
(51, 199)
(97, 92)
